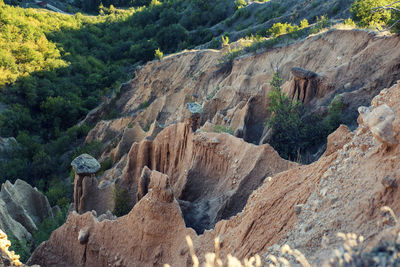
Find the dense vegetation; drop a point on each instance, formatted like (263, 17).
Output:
(294, 133)
(369, 14)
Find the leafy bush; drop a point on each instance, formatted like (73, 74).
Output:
(362, 12)
(213, 93)
(21, 248)
(57, 193)
(240, 3)
(223, 129)
(122, 201)
(224, 40)
(107, 163)
(322, 22)
(282, 28)
(47, 226)
(315, 3)
(144, 105)
(349, 22)
(304, 24)
(293, 133)
(284, 121)
(158, 54)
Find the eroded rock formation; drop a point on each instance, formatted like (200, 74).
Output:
(341, 192)
(22, 209)
(122, 242)
(307, 86)
(229, 94)
(87, 193)
(212, 176)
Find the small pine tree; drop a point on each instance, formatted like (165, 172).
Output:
(285, 121)
(158, 54)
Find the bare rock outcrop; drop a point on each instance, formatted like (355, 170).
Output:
(132, 240)
(307, 86)
(22, 209)
(340, 61)
(209, 170)
(87, 194)
(379, 120)
(210, 174)
(213, 176)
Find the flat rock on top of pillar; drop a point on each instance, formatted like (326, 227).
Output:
(303, 73)
(194, 108)
(85, 164)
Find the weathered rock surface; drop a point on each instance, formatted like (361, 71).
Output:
(211, 172)
(212, 175)
(341, 192)
(307, 86)
(22, 209)
(85, 165)
(122, 242)
(88, 195)
(234, 95)
(380, 122)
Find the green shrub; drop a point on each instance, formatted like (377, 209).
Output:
(214, 44)
(213, 93)
(144, 105)
(349, 22)
(285, 121)
(57, 192)
(362, 12)
(158, 54)
(224, 40)
(223, 129)
(92, 148)
(293, 133)
(105, 165)
(322, 22)
(334, 117)
(21, 248)
(240, 3)
(122, 201)
(335, 9)
(282, 28)
(47, 226)
(304, 24)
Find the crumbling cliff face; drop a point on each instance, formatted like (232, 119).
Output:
(211, 174)
(233, 96)
(22, 209)
(342, 192)
(130, 240)
(181, 174)
(352, 63)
